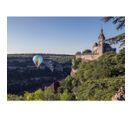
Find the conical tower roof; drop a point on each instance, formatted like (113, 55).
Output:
(101, 35)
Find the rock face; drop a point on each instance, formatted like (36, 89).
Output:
(54, 66)
(120, 95)
(55, 86)
(73, 73)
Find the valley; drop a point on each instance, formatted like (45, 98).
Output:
(23, 75)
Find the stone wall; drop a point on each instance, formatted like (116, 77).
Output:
(88, 57)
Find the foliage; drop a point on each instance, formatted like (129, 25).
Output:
(119, 21)
(87, 51)
(91, 89)
(95, 80)
(108, 65)
(78, 53)
(49, 94)
(14, 97)
(28, 96)
(67, 83)
(99, 89)
(75, 63)
(65, 96)
(120, 24)
(117, 39)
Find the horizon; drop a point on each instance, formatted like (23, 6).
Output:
(55, 35)
(38, 54)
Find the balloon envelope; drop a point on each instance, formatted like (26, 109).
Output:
(37, 59)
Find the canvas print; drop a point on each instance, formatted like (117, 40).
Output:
(66, 58)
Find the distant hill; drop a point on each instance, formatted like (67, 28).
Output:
(60, 58)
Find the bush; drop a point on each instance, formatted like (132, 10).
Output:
(49, 94)
(28, 96)
(99, 89)
(14, 97)
(87, 51)
(67, 83)
(65, 96)
(76, 62)
(78, 53)
(38, 95)
(108, 65)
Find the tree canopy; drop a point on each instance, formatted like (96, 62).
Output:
(87, 51)
(120, 24)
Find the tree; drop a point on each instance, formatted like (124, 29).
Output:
(49, 94)
(65, 96)
(78, 53)
(39, 94)
(87, 51)
(99, 89)
(121, 62)
(119, 21)
(67, 83)
(14, 97)
(28, 96)
(117, 39)
(120, 24)
(108, 65)
(76, 62)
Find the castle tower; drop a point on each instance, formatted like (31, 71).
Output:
(101, 39)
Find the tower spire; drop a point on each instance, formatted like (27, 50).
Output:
(101, 39)
(101, 30)
(101, 35)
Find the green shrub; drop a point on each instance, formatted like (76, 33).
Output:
(99, 89)
(65, 96)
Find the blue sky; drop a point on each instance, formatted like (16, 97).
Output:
(59, 35)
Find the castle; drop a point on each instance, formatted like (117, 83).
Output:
(97, 50)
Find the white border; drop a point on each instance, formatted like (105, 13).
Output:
(65, 8)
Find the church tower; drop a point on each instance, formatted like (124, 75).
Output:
(101, 39)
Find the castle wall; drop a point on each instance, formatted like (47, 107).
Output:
(88, 57)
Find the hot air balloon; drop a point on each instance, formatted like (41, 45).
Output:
(37, 59)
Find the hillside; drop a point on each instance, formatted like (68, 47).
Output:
(95, 80)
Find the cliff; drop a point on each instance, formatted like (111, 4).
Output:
(120, 95)
(73, 72)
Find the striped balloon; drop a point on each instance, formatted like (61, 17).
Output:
(37, 59)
